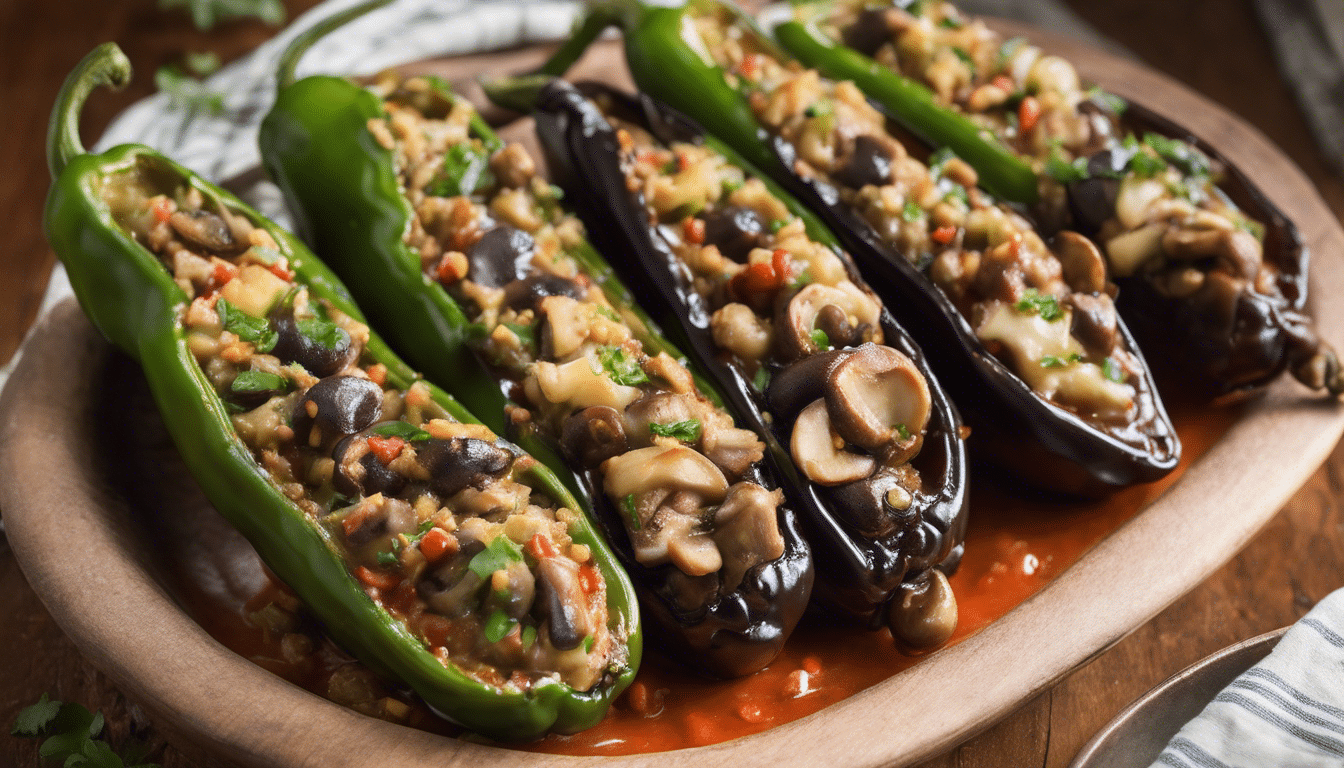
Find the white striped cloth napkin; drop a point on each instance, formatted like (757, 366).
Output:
(1285, 712)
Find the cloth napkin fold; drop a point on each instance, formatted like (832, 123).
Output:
(1285, 712)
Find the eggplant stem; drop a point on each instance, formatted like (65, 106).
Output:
(105, 65)
(519, 93)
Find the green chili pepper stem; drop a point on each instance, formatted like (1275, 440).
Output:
(289, 60)
(105, 65)
(517, 93)
(599, 16)
(1001, 172)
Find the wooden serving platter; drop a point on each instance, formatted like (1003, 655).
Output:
(71, 429)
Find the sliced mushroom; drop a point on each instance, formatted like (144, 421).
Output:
(501, 256)
(462, 462)
(1083, 265)
(450, 589)
(794, 387)
(205, 230)
(878, 400)
(512, 590)
(923, 613)
(358, 471)
(735, 230)
(656, 408)
(293, 346)
(797, 320)
(868, 163)
(593, 435)
(747, 530)
(813, 445)
(1094, 323)
(663, 467)
(1092, 200)
(1238, 252)
(528, 292)
(563, 602)
(334, 407)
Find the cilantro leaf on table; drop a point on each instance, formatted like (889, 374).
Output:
(205, 14)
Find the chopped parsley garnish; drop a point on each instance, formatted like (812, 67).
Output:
(950, 23)
(1146, 165)
(607, 313)
(912, 211)
(687, 431)
(958, 192)
(588, 644)
(903, 431)
(529, 636)
(629, 504)
(820, 339)
(621, 368)
(761, 379)
(730, 186)
(1107, 100)
(820, 109)
(1185, 157)
(525, 333)
(387, 558)
(1033, 302)
(69, 734)
(408, 432)
(246, 327)
(777, 225)
(1051, 361)
(1112, 370)
(938, 159)
(966, 59)
(465, 170)
(1065, 171)
(324, 333)
(497, 555)
(258, 381)
(498, 626)
(440, 86)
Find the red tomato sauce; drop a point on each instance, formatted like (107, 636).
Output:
(1014, 546)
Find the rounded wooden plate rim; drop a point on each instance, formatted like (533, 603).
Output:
(128, 626)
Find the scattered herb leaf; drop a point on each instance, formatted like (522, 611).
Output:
(186, 92)
(1107, 100)
(687, 431)
(246, 327)
(1112, 370)
(629, 504)
(525, 333)
(258, 381)
(912, 211)
(465, 170)
(903, 431)
(820, 339)
(621, 368)
(495, 557)
(1033, 302)
(387, 558)
(588, 644)
(202, 63)
(1185, 157)
(1051, 361)
(206, 13)
(761, 379)
(406, 431)
(529, 636)
(820, 108)
(498, 626)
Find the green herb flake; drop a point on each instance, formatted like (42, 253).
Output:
(621, 368)
(324, 333)
(730, 186)
(820, 339)
(950, 23)
(777, 225)
(820, 108)
(687, 431)
(631, 511)
(1107, 100)
(497, 555)
(939, 158)
(1033, 302)
(1051, 361)
(1063, 170)
(387, 558)
(201, 63)
(958, 192)
(588, 644)
(255, 330)
(529, 636)
(406, 431)
(440, 86)
(912, 211)
(465, 170)
(903, 431)
(498, 626)
(761, 379)
(34, 718)
(1112, 370)
(965, 59)
(1145, 165)
(607, 313)
(206, 13)
(525, 333)
(1189, 160)
(258, 381)
(186, 92)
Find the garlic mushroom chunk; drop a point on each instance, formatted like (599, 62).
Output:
(874, 399)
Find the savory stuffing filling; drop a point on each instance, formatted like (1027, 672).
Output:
(435, 518)
(787, 314)
(683, 478)
(1154, 201)
(1047, 315)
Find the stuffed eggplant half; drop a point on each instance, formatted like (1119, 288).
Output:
(690, 501)
(437, 554)
(790, 332)
(1024, 334)
(1212, 275)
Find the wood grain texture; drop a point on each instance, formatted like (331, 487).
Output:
(1213, 45)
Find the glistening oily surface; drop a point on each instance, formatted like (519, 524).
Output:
(1014, 547)
(1323, 232)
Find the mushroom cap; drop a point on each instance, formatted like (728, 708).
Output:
(673, 467)
(814, 450)
(874, 392)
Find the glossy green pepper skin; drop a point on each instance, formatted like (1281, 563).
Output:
(136, 304)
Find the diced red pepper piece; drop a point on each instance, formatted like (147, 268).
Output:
(782, 265)
(163, 208)
(944, 234)
(352, 522)
(279, 270)
(540, 547)
(437, 543)
(377, 579)
(224, 272)
(1003, 83)
(589, 578)
(386, 448)
(1028, 113)
(693, 230)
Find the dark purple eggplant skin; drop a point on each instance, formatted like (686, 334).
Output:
(1216, 347)
(856, 574)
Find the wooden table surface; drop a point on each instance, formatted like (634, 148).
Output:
(1215, 46)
